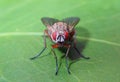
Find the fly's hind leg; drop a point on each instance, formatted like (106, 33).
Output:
(78, 50)
(81, 54)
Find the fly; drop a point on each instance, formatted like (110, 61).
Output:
(62, 34)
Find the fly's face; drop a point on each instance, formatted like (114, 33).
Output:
(59, 32)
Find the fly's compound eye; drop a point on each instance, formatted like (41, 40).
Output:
(53, 36)
(66, 34)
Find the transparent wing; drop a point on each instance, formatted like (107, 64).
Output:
(48, 21)
(71, 22)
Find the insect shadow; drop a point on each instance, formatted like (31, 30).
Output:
(80, 44)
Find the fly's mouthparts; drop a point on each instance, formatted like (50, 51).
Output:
(60, 38)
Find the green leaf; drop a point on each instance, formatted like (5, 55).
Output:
(98, 37)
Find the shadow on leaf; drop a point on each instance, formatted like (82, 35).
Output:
(81, 43)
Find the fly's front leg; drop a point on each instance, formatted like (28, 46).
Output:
(56, 61)
(37, 55)
(66, 56)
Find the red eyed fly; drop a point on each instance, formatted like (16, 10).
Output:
(62, 34)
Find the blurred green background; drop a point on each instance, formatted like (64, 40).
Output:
(98, 35)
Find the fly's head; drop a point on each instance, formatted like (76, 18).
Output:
(59, 32)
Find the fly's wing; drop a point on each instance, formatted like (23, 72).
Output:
(71, 22)
(48, 21)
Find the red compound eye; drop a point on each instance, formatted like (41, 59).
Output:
(66, 35)
(54, 34)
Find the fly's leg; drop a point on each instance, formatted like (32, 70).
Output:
(37, 55)
(56, 62)
(81, 54)
(66, 56)
(78, 50)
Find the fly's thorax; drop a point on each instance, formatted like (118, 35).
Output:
(60, 26)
